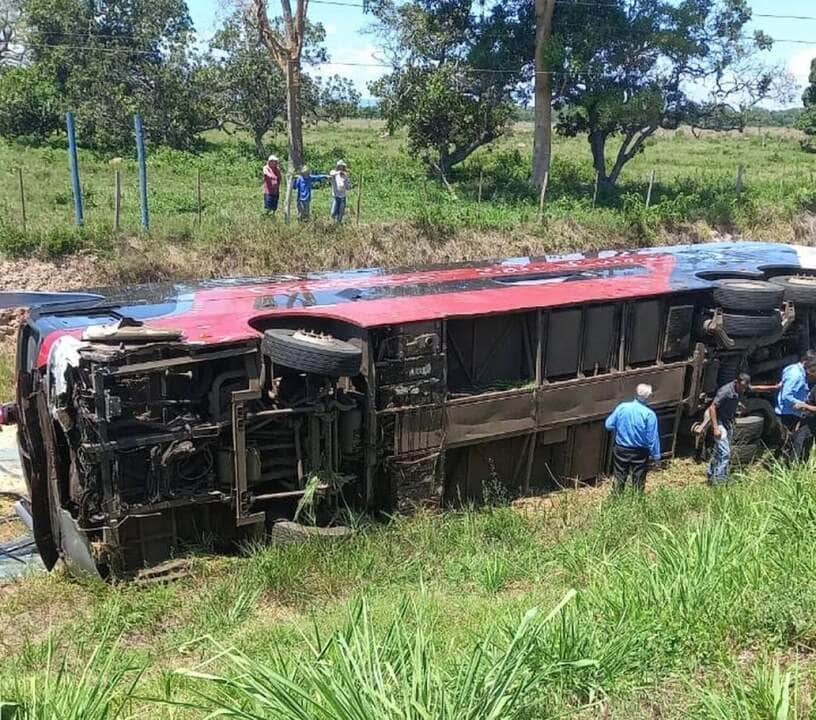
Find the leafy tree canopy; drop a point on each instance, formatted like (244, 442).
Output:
(110, 59)
(251, 87)
(629, 69)
(457, 70)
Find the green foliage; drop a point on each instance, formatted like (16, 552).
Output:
(449, 110)
(108, 61)
(28, 104)
(807, 120)
(627, 68)
(363, 673)
(99, 691)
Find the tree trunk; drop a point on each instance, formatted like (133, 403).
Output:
(597, 144)
(294, 114)
(542, 140)
(260, 150)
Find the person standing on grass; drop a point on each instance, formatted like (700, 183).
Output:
(637, 440)
(303, 185)
(271, 184)
(791, 406)
(721, 414)
(340, 184)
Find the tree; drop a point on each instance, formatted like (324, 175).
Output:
(28, 104)
(108, 60)
(251, 88)
(286, 46)
(542, 83)
(807, 120)
(627, 69)
(457, 69)
(11, 52)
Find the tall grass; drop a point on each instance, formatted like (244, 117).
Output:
(363, 673)
(101, 690)
(427, 617)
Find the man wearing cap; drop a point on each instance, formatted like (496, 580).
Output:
(637, 440)
(340, 184)
(302, 186)
(271, 184)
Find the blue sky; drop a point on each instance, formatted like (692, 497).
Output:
(348, 41)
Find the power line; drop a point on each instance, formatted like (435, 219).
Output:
(587, 3)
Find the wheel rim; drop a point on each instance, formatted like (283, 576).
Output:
(313, 338)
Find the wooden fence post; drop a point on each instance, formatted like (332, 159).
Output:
(360, 197)
(198, 194)
(481, 182)
(22, 196)
(541, 196)
(117, 199)
(649, 191)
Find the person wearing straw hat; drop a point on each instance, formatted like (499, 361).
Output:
(340, 184)
(271, 184)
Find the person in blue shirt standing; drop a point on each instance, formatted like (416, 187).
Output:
(302, 185)
(791, 405)
(637, 440)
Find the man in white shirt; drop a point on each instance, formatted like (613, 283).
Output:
(340, 184)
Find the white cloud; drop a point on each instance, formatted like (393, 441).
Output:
(360, 64)
(799, 64)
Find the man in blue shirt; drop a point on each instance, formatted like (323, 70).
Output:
(791, 405)
(637, 440)
(302, 185)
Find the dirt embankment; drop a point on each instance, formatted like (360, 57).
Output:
(71, 273)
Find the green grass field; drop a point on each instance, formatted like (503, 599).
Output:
(405, 217)
(689, 603)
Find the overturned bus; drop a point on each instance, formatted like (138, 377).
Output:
(151, 418)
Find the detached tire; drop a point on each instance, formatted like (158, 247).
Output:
(742, 455)
(748, 430)
(748, 295)
(312, 353)
(798, 289)
(748, 326)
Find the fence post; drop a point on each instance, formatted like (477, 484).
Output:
(541, 197)
(481, 182)
(360, 197)
(198, 194)
(73, 167)
(22, 197)
(117, 199)
(649, 191)
(142, 160)
(740, 179)
(595, 193)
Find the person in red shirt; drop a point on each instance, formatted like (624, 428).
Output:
(271, 184)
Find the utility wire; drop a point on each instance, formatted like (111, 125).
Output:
(586, 3)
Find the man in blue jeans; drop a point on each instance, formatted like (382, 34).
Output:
(340, 184)
(790, 406)
(302, 186)
(637, 440)
(721, 415)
